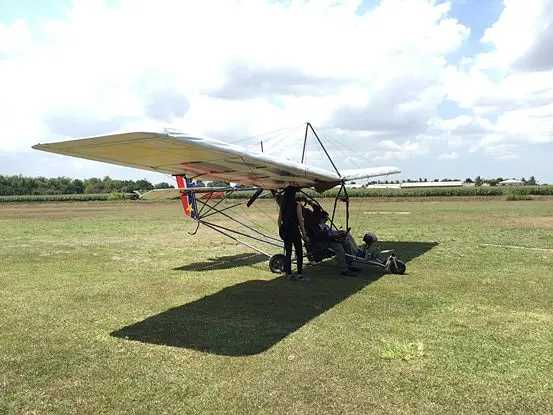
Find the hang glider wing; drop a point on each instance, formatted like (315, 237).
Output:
(359, 174)
(207, 159)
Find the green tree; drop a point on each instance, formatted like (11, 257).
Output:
(76, 186)
(144, 184)
(163, 185)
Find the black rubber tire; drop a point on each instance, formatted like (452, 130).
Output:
(397, 267)
(276, 263)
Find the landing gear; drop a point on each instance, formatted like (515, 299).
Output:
(385, 260)
(394, 265)
(276, 263)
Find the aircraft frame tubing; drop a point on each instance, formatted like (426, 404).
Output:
(366, 261)
(210, 210)
(216, 229)
(207, 210)
(308, 127)
(345, 199)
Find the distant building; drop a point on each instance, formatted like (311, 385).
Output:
(457, 183)
(384, 186)
(511, 182)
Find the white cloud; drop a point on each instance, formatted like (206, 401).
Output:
(14, 39)
(522, 36)
(495, 147)
(107, 68)
(448, 156)
(508, 90)
(232, 69)
(531, 125)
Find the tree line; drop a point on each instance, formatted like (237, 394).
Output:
(479, 181)
(20, 185)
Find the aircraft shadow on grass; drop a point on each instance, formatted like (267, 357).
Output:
(224, 262)
(250, 317)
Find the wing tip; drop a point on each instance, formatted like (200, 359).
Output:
(143, 134)
(359, 174)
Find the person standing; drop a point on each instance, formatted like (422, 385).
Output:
(292, 230)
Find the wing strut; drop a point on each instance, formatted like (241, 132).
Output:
(307, 127)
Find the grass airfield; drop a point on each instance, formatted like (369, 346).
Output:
(111, 307)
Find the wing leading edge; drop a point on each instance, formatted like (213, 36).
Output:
(208, 159)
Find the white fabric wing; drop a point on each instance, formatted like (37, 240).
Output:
(206, 159)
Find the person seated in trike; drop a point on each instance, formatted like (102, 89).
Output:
(324, 242)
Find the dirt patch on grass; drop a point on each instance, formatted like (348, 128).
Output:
(66, 210)
(541, 222)
(386, 212)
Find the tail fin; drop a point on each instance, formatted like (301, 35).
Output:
(188, 200)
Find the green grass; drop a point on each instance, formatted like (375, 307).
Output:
(111, 307)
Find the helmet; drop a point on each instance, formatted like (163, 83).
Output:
(369, 238)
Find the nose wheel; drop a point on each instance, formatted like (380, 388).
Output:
(276, 263)
(395, 266)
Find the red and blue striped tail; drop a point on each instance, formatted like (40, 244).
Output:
(188, 200)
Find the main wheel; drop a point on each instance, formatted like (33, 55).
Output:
(276, 263)
(397, 267)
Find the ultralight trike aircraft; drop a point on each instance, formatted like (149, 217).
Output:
(189, 158)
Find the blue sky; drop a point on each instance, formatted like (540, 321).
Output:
(478, 15)
(32, 11)
(438, 88)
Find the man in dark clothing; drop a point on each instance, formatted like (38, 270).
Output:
(291, 230)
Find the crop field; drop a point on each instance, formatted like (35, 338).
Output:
(112, 307)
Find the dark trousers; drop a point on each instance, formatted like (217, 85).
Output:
(292, 238)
